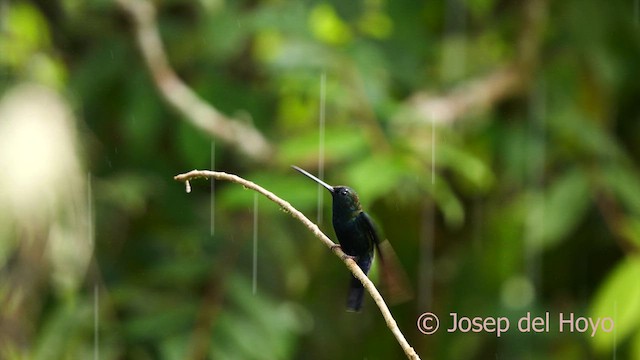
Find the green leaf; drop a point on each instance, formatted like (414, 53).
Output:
(630, 228)
(446, 199)
(255, 327)
(376, 24)
(624, 183)
(635, 348)
(468, 166)
(559, 210)
(480, 8)
(145, 119)
(175, 347)
(338, 145)
(224, 33)
(194, 145)
(576, 130)
(60, 334)
(129, 192)
(327, 26)
(448, 203)
(161, 322)
(377, 175)
(28, 32)
(618, 298)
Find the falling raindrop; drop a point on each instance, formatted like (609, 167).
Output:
(96, 321)
(615, 343)
(255, 243)
(96, 299)
(433, 152)
(323, 90)
(90, 209)
(425, 265)
(477, 226)
(534, 183)
(535, 173)
(212, 205)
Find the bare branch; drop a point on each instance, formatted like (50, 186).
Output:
(485, 92)
(351, 265)
(195, 110)
(476, 95)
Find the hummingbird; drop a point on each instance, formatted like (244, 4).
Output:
(358, 236)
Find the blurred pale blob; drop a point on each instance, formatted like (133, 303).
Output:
(43, 189)
(518, 292)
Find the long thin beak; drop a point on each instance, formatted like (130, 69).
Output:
(329, 187)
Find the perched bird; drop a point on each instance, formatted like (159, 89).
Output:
(358, 236)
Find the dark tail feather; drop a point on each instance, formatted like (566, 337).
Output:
(356, 295)
(356, 289)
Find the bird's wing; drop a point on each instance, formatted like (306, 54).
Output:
(394, 279)
(370, 227)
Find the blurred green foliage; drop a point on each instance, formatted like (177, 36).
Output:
(531, 205)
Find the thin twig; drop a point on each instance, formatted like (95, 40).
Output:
(351, 265)
(195, 110)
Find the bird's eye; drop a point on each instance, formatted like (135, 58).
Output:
(344, 192)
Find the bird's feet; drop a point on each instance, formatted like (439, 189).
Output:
(336, 246)
(345, 256)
